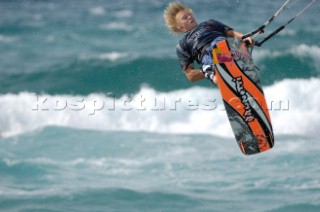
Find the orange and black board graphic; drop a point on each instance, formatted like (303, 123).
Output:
(243, 96)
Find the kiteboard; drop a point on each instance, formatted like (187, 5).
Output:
(243, 97)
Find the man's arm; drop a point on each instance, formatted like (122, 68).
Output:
(192, 74)
(235, 34)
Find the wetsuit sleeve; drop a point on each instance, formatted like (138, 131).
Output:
(221, 27)
(185, 59)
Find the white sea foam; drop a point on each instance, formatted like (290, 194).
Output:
(124, 14)
(293, 105)
(120, 26)
(7, 39)
(303, 52)
(260, 54)
(112, 56)
(288, 32)
(92, 162)
(302, 114)
(98, 11)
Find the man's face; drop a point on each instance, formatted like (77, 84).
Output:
(185, 21)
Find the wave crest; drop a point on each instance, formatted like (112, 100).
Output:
(292, 105)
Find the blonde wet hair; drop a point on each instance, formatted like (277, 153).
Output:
(170, 13)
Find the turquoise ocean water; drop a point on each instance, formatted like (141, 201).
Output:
(97, 116)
